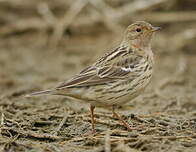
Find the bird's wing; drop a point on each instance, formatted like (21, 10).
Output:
(98, 74)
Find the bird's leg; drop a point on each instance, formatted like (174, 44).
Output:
(121, 119)
(93, 131)
(92, 118)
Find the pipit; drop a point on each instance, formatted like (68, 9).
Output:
(117, 77)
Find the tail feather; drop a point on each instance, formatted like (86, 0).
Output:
(45, 92)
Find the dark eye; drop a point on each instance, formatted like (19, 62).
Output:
(138, 30)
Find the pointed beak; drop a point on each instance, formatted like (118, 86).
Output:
(154, 29)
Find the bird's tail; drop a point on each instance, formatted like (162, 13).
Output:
(40, 93)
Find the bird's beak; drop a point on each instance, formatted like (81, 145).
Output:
(154, 29)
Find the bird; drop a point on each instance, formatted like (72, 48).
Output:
(117, 77)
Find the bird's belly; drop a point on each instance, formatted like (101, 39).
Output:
(123, 93)
(127, 98)
(116, 99)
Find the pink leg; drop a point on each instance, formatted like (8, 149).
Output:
(121, 120)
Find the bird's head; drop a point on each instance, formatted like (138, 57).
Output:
(139, 34)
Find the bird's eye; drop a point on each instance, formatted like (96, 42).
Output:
(138, 30)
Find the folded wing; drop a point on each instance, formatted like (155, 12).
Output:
(103, 73)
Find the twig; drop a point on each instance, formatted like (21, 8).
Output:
(174, 137)
(29, 134)
(61, 124)
(46, 13)
(107, 142)
(24, 25)
(106, 15)
(67, 19)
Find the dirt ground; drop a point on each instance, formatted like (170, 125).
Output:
(164, 117)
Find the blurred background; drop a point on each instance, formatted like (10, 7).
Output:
(44, 42)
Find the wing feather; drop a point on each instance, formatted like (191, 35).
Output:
(99, 74)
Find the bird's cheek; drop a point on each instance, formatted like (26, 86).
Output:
(137, 43)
